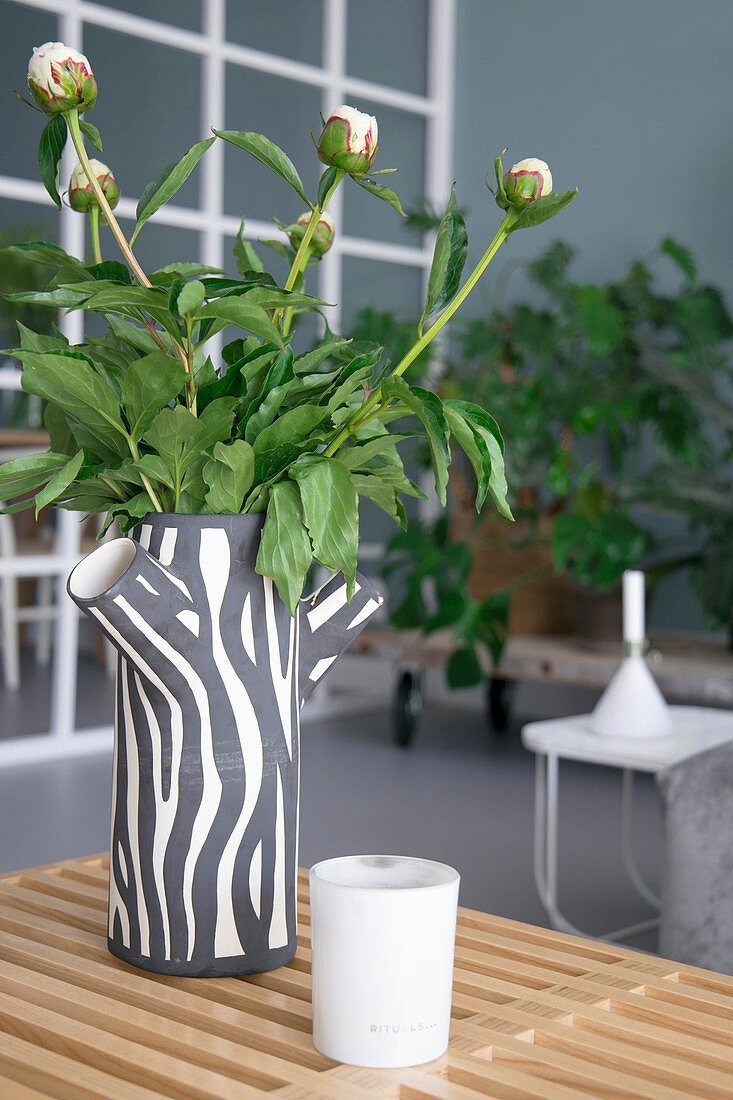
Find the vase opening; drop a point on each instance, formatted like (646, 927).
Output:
(100, 569)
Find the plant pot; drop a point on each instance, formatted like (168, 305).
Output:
(542, 604)
(212, 675)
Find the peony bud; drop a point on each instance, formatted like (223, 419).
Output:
(528, 180)
(323, 234)
(349, 141)
(60, 78)
(81, 197)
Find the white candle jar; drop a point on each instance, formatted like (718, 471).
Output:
(383, 937)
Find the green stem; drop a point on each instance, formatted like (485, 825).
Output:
(420, 345)
(148, 487)
(94, 223)
(289, 311)
(190, 381)
(72, 121)
(301, 256)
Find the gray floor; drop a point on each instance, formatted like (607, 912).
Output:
(459, 795)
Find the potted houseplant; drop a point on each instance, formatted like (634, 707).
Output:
(607, 394)
(232, 478)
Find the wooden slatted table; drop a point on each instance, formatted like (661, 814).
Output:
(537, 1015)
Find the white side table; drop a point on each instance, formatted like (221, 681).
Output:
(695, 729)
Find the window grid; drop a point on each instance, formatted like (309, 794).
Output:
(63, 739)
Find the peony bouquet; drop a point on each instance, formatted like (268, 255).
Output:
(145, 418)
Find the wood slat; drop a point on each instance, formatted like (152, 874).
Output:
(537, 1015)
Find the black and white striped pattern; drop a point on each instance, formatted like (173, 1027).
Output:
(212, 675)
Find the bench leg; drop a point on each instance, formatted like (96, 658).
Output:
(408, 705)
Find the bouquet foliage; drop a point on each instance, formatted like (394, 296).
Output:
(146, 417)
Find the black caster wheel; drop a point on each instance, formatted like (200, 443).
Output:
(408, 707)
(498, 703)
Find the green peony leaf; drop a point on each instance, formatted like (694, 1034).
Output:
(486, 427)
(382, 494)
(23, 475)
(191, 298)
(150, 384)
(244, 253)
(281, 442)
(331, 513)
(269, 154)
(91, 133)
(163, 187)
(428, 408)
(449, 258)
(72, 383)
(386, 194)
(541, 210)
(285, 552)
(50, 150)
(60, 481)
(49, 255)
(246, 315)
(229, 475)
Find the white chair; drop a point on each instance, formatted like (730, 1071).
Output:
(42, 612)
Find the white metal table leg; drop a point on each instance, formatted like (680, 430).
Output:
(44, 626)
(547, 776)
(11, 643)
(627, 849)
(547, 790)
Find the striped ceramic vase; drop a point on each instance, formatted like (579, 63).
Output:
(212, 675)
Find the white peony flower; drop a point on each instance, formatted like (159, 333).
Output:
(349, 140)
(61, 78)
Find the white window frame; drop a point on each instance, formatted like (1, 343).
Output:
(63, 738)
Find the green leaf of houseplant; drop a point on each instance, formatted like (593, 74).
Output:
(269, 154)
(50, 149)
(681, 256)
(449, 258)
(464, 668)
(285, 552)
(60, 481)
(386, 194)
(163, 187)
(229, 475)
(331, 513)
(429, 410)
(150, 384)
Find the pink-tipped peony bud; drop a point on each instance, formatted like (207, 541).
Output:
(60, 78)
(81, 197)
(323, 234)
(349, 140)
(528, 180)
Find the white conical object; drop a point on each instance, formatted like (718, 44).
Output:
(632, 705)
